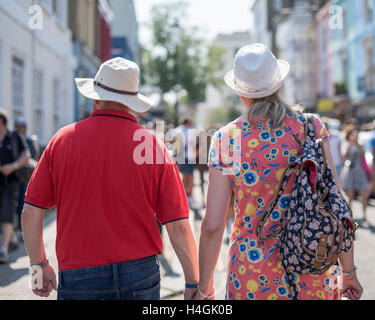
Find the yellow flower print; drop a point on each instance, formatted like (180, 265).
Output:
(242, 270)
(293, 152)
(250, 210)
(240, 194)
(320, 294)
(253, 143)
(252, 286)
(234, 132)
(273, 296)
(316, 283)
(267, 186)
(280, 173)
(225, 157)
(322, 132)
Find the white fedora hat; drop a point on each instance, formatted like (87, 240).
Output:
(256, 73)
(117, 80)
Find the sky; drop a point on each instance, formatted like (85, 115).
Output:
(212, 16)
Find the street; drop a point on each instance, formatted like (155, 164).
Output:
(14, 276)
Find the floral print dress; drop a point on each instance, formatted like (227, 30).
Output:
(255, 157)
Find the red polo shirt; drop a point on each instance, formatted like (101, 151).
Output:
(107, 201)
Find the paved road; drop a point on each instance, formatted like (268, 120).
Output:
(14, 276)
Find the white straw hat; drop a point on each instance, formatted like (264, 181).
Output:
(256, 73)
(117, 80)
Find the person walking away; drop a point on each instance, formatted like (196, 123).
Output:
(187, 141)
(249, 157)
(20, 126)
(353, 176)
(335, 143)
(9, 183)
(108, 178)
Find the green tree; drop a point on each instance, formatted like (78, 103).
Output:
(189, 63)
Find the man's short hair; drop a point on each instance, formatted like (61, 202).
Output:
(4, 117)
(186, 121)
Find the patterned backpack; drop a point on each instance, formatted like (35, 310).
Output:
(319, 224)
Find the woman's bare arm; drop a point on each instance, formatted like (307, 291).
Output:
(213, 226)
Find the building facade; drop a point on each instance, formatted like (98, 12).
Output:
(125, 31)
(37, 65)
(354, 55)
(89, 22)
(223, 96)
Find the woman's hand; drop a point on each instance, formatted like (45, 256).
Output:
(205, 295)
(351, 287)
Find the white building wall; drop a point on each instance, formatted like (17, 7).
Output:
(298, 48)
(218, 97)
(261, 32)
(48, 50)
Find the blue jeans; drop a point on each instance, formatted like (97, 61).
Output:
(130, 280)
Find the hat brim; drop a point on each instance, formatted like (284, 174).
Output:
(138, 103)
(284, 69)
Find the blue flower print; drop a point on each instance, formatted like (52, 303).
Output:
(254, 255)
(245, 166)
(284, 202)
(265, 136)
(243, 247)
(282, 291)
(250, 178)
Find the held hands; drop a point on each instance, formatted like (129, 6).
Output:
(205, 294)
(49, 282)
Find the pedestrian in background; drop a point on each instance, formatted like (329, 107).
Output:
(353, 175)
(187, 143)
(107, 197)
(336, 147)
(248, 157)
(20, 126)
(9, 182)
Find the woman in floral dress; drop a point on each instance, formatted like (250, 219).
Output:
(248, 157)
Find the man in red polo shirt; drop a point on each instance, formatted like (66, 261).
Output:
(108, 197)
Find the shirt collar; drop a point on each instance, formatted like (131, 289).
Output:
(114, 113)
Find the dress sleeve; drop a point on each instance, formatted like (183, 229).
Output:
(320, 128)
(225, 151)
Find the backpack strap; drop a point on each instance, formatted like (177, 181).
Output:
(272, 205)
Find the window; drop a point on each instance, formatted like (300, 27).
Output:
(38, 102)
(18, 70)
(368, 7)
(56, 104)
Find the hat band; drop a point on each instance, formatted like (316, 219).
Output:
(244, 87)
(98, 84)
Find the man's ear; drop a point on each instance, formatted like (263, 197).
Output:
(96, 105)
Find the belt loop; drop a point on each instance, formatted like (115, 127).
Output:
(60, 284)
(115, 272)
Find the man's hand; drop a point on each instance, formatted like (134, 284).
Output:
(190, 293)
(49, 282)
(7, 169)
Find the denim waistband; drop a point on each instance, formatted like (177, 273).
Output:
(109, 269)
